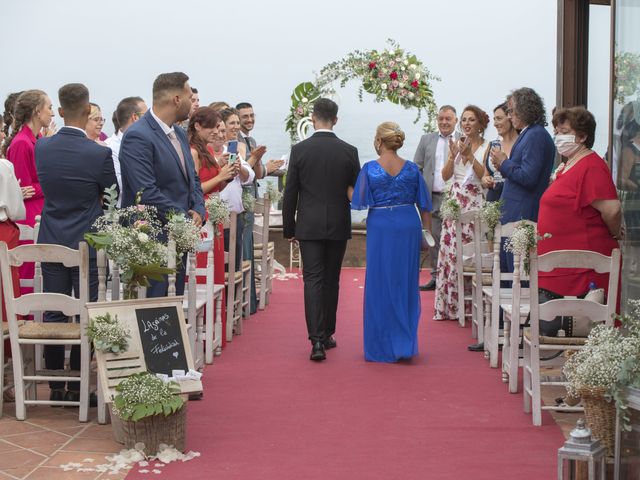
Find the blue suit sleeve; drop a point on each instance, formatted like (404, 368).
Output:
(423, 199)
(136, 160)
(526, 172)
(362, 196)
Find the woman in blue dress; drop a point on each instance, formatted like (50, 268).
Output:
(391, 188)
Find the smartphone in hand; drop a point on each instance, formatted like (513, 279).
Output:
(232, 148)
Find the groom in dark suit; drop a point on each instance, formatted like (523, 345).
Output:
(74, 171)
(155, 157)
(321, 170)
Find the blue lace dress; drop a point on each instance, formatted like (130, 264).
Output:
(394, 236)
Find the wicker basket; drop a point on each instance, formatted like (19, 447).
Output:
(601, 416)
(157, 429)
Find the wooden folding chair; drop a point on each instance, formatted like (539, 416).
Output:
(469, 217)
(234, 280)
(585, 310)
(26, 336)
(263, 250)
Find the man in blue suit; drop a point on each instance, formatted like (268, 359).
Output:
(528, 170)
(74, 171)
(155, 158)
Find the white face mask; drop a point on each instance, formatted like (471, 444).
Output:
(566, 144)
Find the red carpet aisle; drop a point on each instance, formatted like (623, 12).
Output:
(270, 413)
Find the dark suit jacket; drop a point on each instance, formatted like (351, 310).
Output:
(73, 172)
(527, 173)
(321, 168)
(151, 164)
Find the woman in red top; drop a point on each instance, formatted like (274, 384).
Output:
(202, 130)
(580, 209)
(32, 112)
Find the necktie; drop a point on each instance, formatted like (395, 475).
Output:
(247, 140)
(176, 144)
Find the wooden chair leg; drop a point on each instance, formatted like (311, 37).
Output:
(102, 406)
(514, 353)
(18, 381)
(526, 378)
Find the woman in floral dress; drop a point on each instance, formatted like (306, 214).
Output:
(463, 170)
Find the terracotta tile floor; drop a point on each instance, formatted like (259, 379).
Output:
(50, 437)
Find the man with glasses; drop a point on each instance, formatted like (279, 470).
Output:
(128, 111)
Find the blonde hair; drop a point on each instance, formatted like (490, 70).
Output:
(391, 135)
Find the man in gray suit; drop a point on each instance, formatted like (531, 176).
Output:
(431, 156)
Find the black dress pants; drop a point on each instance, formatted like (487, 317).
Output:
(56, 278)
(321, 264)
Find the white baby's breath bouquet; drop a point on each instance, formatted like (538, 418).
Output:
(108, 334)
(184, 232)
(218, 210)
(490, 214)
(274, 194)
(130, 237)
(450, 208)
(248, 200)
(522, 240)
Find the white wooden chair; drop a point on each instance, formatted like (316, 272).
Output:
(30, 234)
(495, 295)
(234, 281)
(4, 365)
(263, 250)
(209, 332)
(480, 272)
(471, 217)
(25, 337)
(514, 315)
(586, 310)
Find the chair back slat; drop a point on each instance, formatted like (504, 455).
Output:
(56, 302)
(43, 253)
(574, 259)
(595, 311)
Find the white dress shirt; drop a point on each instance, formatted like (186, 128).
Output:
(441, 148)
(232, 193)
(11, 202)
(113, 142)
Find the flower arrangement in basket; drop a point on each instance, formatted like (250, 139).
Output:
(107, 334)
(627, 75)
(153, 412)
(522, 240)
(184, 232)
(218, 210)
(600, 372)
(450, 208)
(490, 214)
(130, 237)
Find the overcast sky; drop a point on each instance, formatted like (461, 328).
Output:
(258, 51)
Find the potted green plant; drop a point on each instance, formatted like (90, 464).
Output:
(601, 372)
(152, 412)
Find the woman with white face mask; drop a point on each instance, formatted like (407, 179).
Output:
(580, 209)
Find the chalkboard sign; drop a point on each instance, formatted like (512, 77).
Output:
(161, 338)
(159, 342)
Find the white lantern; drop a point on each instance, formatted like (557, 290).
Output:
(581, 448)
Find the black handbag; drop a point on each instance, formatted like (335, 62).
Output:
(569, 326)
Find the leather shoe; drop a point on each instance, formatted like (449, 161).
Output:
(56, 395)
(429, 286)
(317, 352)
(71, 396)
(476, 347)
(329, 343)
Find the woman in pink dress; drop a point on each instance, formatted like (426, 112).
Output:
(33, 112)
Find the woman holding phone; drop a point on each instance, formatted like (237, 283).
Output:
(226, 143)
(464, 168)
(492, 179)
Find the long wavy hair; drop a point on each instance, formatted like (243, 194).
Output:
(206, 117)
(529, 106)
(25, 108)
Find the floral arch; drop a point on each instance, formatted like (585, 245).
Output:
(392, 75)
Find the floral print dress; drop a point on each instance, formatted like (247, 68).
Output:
(467, 190)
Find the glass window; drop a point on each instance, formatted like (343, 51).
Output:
(626, 137)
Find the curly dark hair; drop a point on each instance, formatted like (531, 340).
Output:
(481, 116)
(529, 106)
(580, 119)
